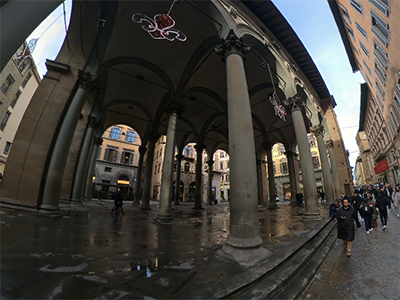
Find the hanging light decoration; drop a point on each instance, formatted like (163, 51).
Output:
(280, 110)
(161, 26)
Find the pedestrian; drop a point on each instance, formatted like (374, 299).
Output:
(346, 216)
(388, 191)
(375, 213)
(343, 196)
(333, 209)
(396, 200)
(381, 204)
(356, 202)
(322, 195)
(118, 202)
(367, 208)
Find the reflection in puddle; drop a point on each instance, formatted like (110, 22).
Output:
(150, 267)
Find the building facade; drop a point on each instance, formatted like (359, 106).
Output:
(116, 163)
(371, 35)
(19, 81)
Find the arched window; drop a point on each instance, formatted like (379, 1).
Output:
(187, 167)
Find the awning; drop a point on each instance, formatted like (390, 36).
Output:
(381, 167)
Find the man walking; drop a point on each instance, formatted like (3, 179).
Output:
(346, 216)
(381, 204)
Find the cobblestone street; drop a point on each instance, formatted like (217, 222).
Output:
(372, 272)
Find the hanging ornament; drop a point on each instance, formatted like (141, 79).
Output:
(161, 26)
(280, 110)
(23, 59)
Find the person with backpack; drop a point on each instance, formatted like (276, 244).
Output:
(381, 204)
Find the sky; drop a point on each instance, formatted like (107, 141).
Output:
(313, 22)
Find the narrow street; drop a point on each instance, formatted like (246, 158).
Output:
(372, 272)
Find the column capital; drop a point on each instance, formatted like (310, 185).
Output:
(294, 103)
(93, 122)
(98, 141)
(289, 153)
(199, 147)
(210, 163)
(174, 107)
(232, 45)
(153, 136)
(87, 80)
(267, 145)
(318, 130)
(329, 144)
(142, 150)
(179, 157)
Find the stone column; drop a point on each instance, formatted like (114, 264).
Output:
(271, 177)
(178, 179)
(59, 155)
(199, 165)
(243, 244)
(335, 172)
(264, 178)
(292, 177)
(210, 163)
(148, 171)
(259, 182)
(138, 183)
(93, 158)
(326, 170)
(82, 161)
(164, 212)
(307, 168)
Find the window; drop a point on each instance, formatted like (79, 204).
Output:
(380, 28)
(362, 30)
(315, 161)
(357, 6)
(110, 155)
(351, 33)
(380, 72)
(7, 148)
(115, 133)
(23, 84)
(281, 149)
(380, 53)
(311, 141)
(394, 119)
(379, 99)
(221, 165)
(131, 137)
(345, 13)
(222, 154)
(369, 70)
(187, 167)
(5, 120)
(107, 169)
(98, 153)
(127, 158)
(284, 167)
(5, 87)
(15, 99)
(355, 49)
(364, 48)
(382, 5)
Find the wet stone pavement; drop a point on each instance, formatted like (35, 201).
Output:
(372, 271)
(89, 254)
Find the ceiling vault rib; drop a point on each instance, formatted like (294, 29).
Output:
(202, 11)
(209, 106)
(138, 78)
(117, 112)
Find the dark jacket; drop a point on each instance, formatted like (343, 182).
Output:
(367, 207)
(381, 201)
(356, 202)
(332, 210)
(118, 200)
(346, 226)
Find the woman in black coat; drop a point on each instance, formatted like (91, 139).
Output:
(346, 216)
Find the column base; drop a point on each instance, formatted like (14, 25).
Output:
(136, 203)
(164, 219)
(312, 216)
(273, 207)
(76, 202)
(198, 208)
(245, 257)
(145, 208)
(177, 203)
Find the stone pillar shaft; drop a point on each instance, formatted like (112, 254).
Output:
(259, 183)
(138, 183)
(82, 162)
(178, 179)
(307, 168)
(209, 182)
(199, 165)
(93, 158)
(264, 178)
(164, 212)
(59, 155)
(335, 171)
(292, 177)
(148, 171)
(271, 177)
(326, 170)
